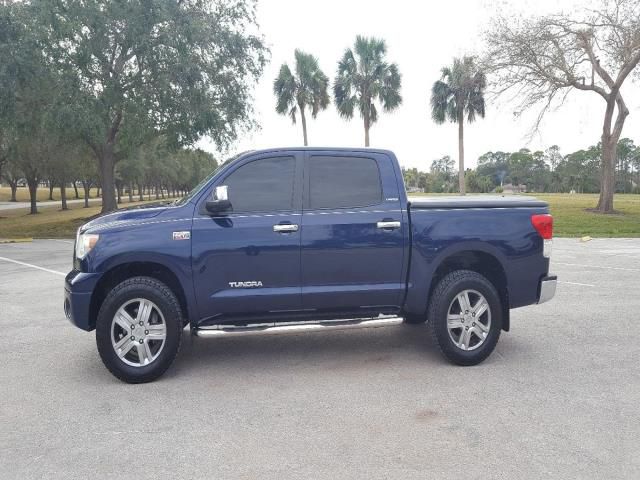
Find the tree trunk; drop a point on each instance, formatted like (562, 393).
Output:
(98, 192)
(107, 181)
(367, 125)
(608, 181)
(140, 192)
(461, 153)
(304, 125)
(119, 192)
(51, 190)
(87, 189)
(14, 191)
(33, 192)
(609, 151)
(131, 193)
(63, 195)
(157, 193)
(75, 188)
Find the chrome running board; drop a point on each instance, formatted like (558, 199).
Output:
(300, 327)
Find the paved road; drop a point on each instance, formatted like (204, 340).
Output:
(18, 205)
(559, 398)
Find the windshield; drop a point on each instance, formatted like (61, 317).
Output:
(203, 183)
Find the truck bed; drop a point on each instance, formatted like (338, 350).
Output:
(486, 230)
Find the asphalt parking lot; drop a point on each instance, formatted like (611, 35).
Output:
(559, 398)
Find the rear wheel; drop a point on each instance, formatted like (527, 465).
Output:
(465, 317)
(138, 330)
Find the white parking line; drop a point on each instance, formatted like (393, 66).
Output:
(33, 266)
(635, 257)
(597, 266)
(576, 283)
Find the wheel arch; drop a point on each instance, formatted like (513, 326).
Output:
(123, 271)
(482, 262)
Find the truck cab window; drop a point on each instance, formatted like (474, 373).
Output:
(336, 182)
(262, 186)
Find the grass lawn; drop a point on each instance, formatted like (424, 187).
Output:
(51, 222)
(22, 194)
(572, 220)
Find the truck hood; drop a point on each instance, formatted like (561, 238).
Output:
(126, 216)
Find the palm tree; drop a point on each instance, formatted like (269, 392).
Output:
(364, 77)
(308, 88)
(459, 92)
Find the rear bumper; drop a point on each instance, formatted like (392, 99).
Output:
(78, 288)
(547, 288)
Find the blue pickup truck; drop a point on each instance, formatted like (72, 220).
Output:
(294, 240)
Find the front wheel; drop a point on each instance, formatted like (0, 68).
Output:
(465, 317)
(138, 330)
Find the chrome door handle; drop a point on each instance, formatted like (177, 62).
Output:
(285, 228)
(388, 225)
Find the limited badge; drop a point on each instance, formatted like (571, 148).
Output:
(182, 235)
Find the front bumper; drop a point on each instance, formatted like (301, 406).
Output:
(547, 288)
(78, 288)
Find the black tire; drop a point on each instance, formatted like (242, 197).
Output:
(413, 319)
(164, 299)
(443, 297)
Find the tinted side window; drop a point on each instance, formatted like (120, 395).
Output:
(343, 182)
(262, 185)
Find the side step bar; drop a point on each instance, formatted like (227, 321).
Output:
(278, 329)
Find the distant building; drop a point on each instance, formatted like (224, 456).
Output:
(510, 189)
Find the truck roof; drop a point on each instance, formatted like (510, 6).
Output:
(319, 149)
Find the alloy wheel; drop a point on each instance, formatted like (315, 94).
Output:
(469, 320)
(138, 332)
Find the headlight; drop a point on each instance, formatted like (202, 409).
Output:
(85, 243)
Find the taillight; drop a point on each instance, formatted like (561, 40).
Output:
(543, 223)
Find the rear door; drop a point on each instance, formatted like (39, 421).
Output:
(353, 235)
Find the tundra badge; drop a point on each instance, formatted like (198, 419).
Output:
(245, 284)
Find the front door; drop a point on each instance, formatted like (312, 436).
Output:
(353, 234)
(247, 262)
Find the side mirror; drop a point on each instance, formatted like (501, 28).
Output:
(218, 206)
(221, 192)
(220, 202)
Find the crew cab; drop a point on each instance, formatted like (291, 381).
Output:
(304, 239)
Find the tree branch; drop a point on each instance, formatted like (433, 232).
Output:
(586, 46)
(628, 68)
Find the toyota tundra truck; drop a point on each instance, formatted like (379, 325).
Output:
(306, 239)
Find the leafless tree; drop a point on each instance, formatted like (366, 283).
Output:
(541, 60)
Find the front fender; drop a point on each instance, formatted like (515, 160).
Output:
(148, 242)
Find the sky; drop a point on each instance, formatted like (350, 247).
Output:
(421, 37)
